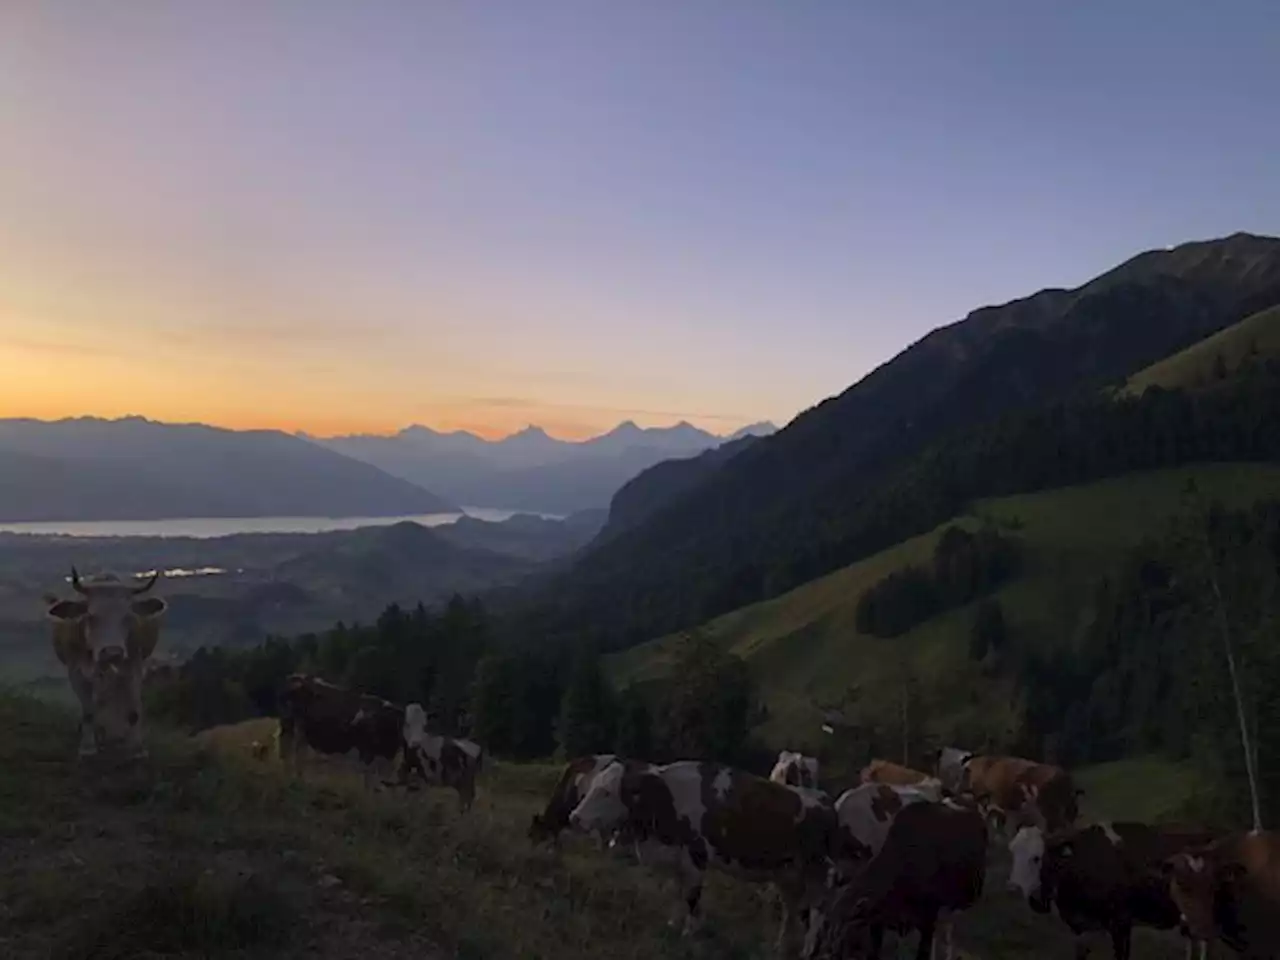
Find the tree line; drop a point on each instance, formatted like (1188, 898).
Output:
(1147, 675)
(964, 567)
(520, 701)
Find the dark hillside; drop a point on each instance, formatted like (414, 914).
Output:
(663, 483)
(795, 505)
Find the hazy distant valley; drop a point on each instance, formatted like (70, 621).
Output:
(234, 590)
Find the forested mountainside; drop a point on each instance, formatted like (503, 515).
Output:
(840, 480)
(652, 489)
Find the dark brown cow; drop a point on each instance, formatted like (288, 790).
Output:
(1230, 890)
(448, 761)
(104, 640)
(330, 719)
(1104, 878)
(705, 815)
(933, 862)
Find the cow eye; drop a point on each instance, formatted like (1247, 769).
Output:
(133, 718)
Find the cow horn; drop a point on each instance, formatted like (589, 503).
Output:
(149, 584)
(75, 581)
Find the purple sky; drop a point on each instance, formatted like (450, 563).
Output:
(356, 215)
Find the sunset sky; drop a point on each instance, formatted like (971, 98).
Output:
(346, 216)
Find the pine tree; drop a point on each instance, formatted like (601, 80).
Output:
(587, 709)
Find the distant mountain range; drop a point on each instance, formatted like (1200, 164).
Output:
(529, 470)
(133, 468)
(137, 469)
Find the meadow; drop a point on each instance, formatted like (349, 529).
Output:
(203, 851)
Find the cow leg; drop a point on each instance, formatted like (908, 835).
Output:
(691, 887)
(81, 687)
(1121, 941)
(793, 909)
(877, 941)
(924, 949)
(88, 741)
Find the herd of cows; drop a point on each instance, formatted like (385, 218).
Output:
(902, 850)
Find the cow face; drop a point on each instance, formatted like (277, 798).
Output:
(795, 770)
(1196, 883)
(950, 766)
(110, 623)
(1025, 876)
(117, 700)
(603, 807)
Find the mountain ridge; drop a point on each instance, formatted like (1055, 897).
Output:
(776, 514)
(529, 470)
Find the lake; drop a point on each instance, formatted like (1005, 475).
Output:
(208, 527)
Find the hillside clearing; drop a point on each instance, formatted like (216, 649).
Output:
(1194, 366)
(807, 654)
(202, 852)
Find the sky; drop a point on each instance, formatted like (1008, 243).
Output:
(347, 217)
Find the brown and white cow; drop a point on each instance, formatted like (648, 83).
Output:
(104, 641)
(704, 815)
(574, 784)
(932, 864)
(1104, 878)
(894, 774)
(795, 770)
(1230, 890)
(329, 719)
(448, 761)
(864, 815)
(1008, 787)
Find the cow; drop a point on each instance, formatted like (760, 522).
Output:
(705, 815)
(1229, 889)
(329, 719)
(795, 770)
(864, 815)
(1009, 787)
(104, 641)
(574, 784)
(932, 864)
(893, 774)
(1105, 878)
(449, 761)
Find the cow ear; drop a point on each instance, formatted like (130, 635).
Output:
(64, 610)
(149, 608)
(145, 634)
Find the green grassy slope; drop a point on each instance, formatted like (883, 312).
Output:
(203, 852)
(806, 652)
(1194, 366)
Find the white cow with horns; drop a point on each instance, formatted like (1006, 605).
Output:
(104, 641)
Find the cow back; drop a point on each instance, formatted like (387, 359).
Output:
(935, 853)
(864, 815)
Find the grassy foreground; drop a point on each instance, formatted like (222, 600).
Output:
(203, 852)
(807, 654)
